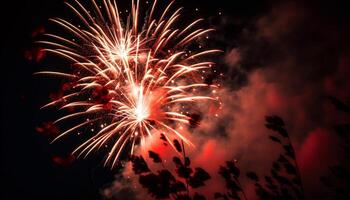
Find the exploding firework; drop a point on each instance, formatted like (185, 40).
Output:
(131, 80)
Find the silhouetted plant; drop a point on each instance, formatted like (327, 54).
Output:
(338, 178)
(154, 156)
(139, 165)
(284, 181)
(163, 184)
(339, 105)
(177, 146)
(230, 172)
(198, 178)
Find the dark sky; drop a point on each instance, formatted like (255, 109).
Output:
(28, 169)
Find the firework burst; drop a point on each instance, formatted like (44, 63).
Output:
(133, 81)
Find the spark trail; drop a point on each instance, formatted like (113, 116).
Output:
(132, 81)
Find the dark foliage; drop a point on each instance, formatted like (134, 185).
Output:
(231, 174)
(198, 178)
(339, 105)
(177, 161)
(218, 195)
(162, 137)
(275, 121)
(158, 185)
(139, 165)
(183, 197)
(184, 172)
(187, 161)
(275, 139)
(252, 176)
(154, 156)
(164, 184)
(177, 145)
(338, 178)
(284, 181)
(276, 124)
(198, 197)
(343, 130)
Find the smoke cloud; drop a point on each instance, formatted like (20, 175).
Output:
(292, 59)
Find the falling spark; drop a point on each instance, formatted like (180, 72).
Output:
(131, 81)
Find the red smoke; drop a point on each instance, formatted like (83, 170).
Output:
(295, 86)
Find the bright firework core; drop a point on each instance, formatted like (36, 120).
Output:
(141, 110)
(142, 78)
(122, 51)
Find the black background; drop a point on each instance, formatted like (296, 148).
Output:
(27, 169)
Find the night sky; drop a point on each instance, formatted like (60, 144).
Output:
(285, 58)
